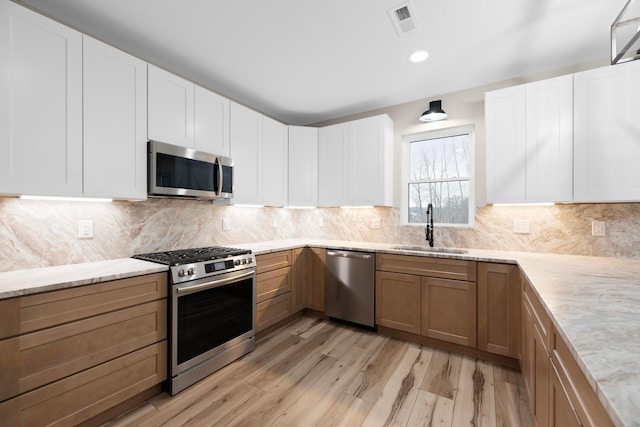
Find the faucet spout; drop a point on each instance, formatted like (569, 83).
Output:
(428, 229)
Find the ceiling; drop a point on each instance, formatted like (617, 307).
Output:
(303, 61)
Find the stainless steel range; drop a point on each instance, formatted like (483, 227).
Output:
(211, 310)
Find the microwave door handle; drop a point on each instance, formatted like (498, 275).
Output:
(220, 178)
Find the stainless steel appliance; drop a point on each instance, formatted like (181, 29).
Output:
(350, 286)
(175, 171)
(211, 310)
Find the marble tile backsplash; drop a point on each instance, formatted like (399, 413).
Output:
(38, 233)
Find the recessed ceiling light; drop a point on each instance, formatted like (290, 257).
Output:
(419, 56)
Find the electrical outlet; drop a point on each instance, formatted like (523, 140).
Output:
(321, 221)
(85, 229)
(226, 224)
(598, 228)
(521, 226)
(376, 223)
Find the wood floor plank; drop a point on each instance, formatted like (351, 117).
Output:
(368, 383)
(312, 406)
(443, 374)
(395, 402)
(475, 400)
(431, 410)
(210, 410)
(266, 410)
(347, 411)
(319, 372)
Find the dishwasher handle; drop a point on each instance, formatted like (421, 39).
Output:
(345, 254)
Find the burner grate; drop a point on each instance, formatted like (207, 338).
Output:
(190, 256)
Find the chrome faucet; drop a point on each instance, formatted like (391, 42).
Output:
(428, 229)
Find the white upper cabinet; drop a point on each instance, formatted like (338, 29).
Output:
(505, 145)
(529, 142)
(275, 164)
(333, 165)
(171, 108)
(371, 161)
(246, 152)
(607, 134)
(115, 122)
(549, 141)
(356, 163)
(40, 104)
(211, 132)
(303, 166)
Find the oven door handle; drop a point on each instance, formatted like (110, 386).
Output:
(186, 289)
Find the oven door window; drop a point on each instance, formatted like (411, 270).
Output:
(212, 317)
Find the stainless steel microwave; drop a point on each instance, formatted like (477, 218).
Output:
(175, 171)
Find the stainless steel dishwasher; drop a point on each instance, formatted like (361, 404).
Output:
(350, 286)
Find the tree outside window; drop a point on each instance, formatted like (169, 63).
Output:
(440, 173)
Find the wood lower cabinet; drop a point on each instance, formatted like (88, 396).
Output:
(561, 411)
(499, 308)
(535, 356)
(434, 297)
(299, 279)
(315, 276)
(449, 310)
(70, 355)
(273, 288)
(398, 301)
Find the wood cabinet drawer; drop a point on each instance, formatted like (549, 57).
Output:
(580, 393)
(272, 261)
(273, 283)
(272, 311)
(33, 312)
(540, 317)
(426, 266)
(82, 396)
(39, 358)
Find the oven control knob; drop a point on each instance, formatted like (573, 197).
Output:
(181, 273)
(250, 260)
(237, 262)
(191, 271)
(244, 261)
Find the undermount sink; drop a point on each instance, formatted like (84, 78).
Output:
(429, 249)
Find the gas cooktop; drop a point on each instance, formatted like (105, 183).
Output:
(191, 256)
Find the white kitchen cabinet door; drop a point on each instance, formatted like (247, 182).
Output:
(549, 140)
(40, 104)
(115, 122)
(246, 152)
(211, 132)
(170, 108)
(333, 165)
(371, 161)
(607, 134)
(303, 166)
(505, 145)
(275, 164)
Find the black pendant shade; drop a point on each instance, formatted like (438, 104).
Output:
(434, 113)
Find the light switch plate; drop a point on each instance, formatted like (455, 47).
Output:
(598, 228)
(226, 224)
(321, 221)
(521, 226)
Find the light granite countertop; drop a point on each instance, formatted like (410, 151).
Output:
(594, 302)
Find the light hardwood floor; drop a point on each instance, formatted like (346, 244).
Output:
(318, 372)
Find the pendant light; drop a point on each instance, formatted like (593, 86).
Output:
(434, 113)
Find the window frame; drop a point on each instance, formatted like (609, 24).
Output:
(406, 166)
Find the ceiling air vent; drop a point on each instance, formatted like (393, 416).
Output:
(403, 18)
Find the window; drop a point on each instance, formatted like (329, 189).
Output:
(438, 169)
